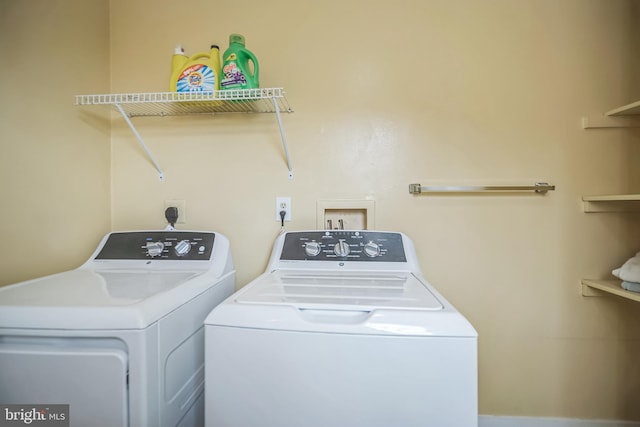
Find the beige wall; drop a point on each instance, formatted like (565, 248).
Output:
(390, 93)
(385, 94)
(54, 161)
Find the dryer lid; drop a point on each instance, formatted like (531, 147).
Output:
(88, 299)
(350, 290)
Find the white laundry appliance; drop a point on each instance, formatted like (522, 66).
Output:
(121, 338)
(341, 330)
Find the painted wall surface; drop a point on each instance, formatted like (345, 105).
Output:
(435, 92)
(450, 92)
(54, 166)
(385, 94)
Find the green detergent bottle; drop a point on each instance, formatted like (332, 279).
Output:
(239, 66)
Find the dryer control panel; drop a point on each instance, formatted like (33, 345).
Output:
(161, 245)
(332, 245)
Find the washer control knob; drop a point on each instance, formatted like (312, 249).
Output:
(182, 247)
(154, 248)
(312, 248)
(341, 248)
(371, 249)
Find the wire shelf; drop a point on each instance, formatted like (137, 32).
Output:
(261, 100)
(264, 100)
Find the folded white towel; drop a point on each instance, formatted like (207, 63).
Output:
(631, 286)
(630, 270)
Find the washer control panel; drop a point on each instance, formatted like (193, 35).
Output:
(331, 245)
(161, 245)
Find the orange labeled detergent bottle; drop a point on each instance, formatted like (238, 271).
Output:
(198, 73)
(239, 66)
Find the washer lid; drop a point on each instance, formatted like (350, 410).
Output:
(348, 290)
(88, 299)
(345, 302)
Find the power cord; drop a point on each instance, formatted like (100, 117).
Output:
(171, 214)
(282, 215)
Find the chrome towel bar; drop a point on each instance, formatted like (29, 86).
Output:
(538, 187)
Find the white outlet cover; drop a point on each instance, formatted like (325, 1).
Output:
(286, 202)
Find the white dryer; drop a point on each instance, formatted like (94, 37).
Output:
(341, 330)
(119, 339)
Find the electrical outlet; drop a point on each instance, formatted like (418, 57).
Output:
(283, 204)
(182, 209)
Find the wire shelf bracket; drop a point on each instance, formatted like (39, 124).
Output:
(140, 140)
(538, 187)
(129, 105)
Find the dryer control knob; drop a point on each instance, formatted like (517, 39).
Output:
(154, 248)
(182, 247)
(341, 248)
(372, 249)
(312, 248)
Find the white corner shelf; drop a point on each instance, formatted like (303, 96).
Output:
(621, 117)
(630, 114)
(603, 287)
(129, 105)
(612, 203)
(625, 116)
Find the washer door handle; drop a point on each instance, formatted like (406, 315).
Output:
(349, 317)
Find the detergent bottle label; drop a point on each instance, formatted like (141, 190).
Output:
(196, 78)
(233, 77)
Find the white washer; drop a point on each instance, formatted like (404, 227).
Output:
(120, 339)
(341, 330)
